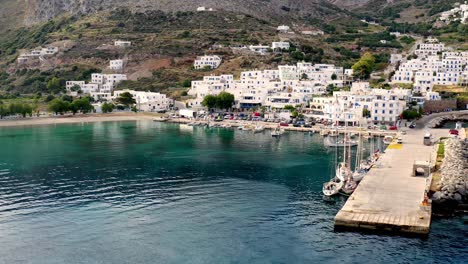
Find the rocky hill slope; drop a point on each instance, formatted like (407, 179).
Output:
(42, 10)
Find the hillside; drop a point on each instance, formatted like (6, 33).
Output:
(165, 43)
(42, 10)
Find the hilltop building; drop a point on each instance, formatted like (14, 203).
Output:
(116, 64)
(207, 61)
(122, 43)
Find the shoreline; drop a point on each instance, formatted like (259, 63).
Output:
(126, 116)
(69, 119)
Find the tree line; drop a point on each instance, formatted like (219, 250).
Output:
(223, 100)
(61, 106)
(14, 109)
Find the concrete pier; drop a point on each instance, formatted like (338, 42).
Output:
(390, 197)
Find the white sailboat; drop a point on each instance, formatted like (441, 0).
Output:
(332, 187)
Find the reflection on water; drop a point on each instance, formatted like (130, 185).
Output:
(148, 192)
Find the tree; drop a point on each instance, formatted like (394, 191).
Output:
(53, 85)
(187, 83)
(81, 105)
(59, 106)
(410, 114)
(3, 111)
(366, 113)
(126, 99)
(225, 100)
(75, 88)
(334, 77)
(209, 101)
(364, 67)
(107, 107)
(290, 108)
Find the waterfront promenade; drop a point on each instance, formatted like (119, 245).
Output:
(390, 198)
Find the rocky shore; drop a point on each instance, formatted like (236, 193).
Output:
(453, 186)
(440, 121)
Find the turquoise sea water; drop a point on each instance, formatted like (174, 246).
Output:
(144, 192)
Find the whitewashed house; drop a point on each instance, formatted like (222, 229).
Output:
(283, 28)
(207, 61)
(260, 49)
(122, 43)
(281, 45)
(396, 58)
(147, 101)
(116, 64)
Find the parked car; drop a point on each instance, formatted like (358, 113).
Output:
(284, 124)
(453, 132)
(412, 125)
(393, 128)
(296, 125)
(400, 140)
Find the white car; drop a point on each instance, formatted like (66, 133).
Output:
(400, 140)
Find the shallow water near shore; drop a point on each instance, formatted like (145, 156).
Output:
(146, 192)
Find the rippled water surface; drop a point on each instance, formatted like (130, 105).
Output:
(144, 192)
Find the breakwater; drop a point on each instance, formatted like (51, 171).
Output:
(452, 193)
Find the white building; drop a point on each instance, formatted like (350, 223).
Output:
(116, 64)
(38, 52)
(282, 45)
(207, 61)
(147, 101)
(383, 106)
(396, 58)
(100, 87)
(283, 28)
(429, 48)
(260, 49)
(122, 43)
(312, 32)
(271, 88)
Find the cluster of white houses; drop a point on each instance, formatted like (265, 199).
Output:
(383, 106)
(288, 85)
(37, 53)
(264, 49)
(100, 87)
(458, 13)
(147, 101)
(434, 65)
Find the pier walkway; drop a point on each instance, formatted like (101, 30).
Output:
(390, 198)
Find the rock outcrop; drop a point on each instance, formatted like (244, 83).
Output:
(453, 186)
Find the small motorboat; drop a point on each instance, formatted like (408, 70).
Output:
(323, 132)
(332, 187)
(276, 132)
(333, 133)
(258, 129)
(340, 143)
(358, 175)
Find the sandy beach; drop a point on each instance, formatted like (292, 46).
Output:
(70, 119)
